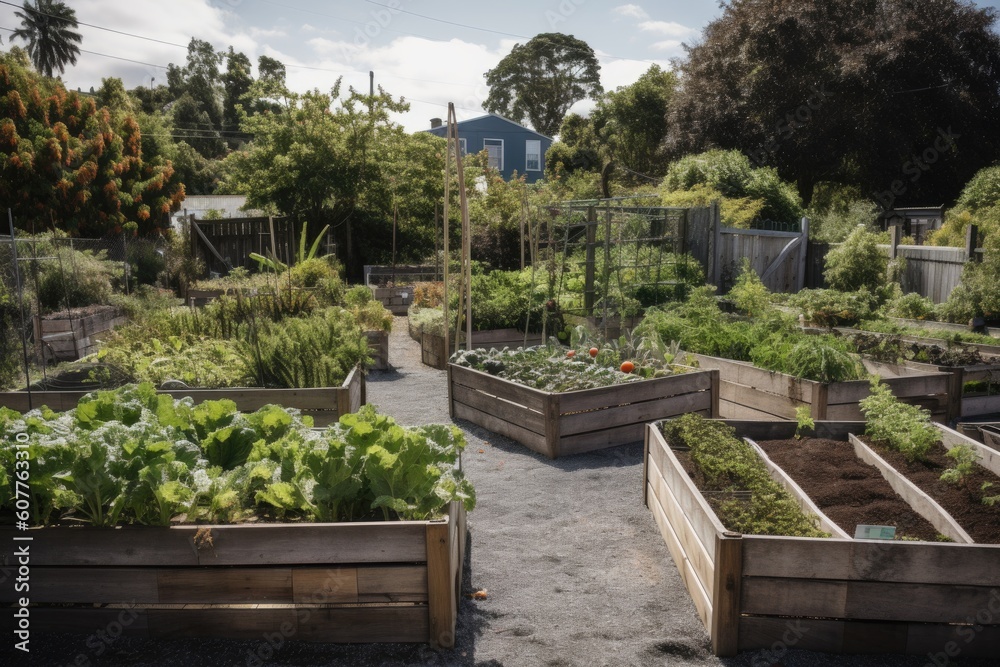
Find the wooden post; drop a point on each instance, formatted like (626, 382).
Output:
(716, 254)
(726, 594)
(971, 241)
(820, 399)
(442, 604)
(588, 285)
(524, 215)
(716, 391)
(894, 236)
(552, 425)
(803, 251)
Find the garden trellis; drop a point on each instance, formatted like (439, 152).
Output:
(614, 257)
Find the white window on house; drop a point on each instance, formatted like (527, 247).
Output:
(495, 149)
(533, 153)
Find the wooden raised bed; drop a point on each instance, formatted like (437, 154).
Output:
(834, 595)
(337, 582)
(323, 404)
(68, 339)
(395, 299)
(963, 404)
(378, 345)
(748, 392)
(573, 422)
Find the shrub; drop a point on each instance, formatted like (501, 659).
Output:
(911, 306)
(731, 175)
(749, 293)
(836, 223)
(74, 279)
(321, 274)
(358, 296)
(10, 338)
(428, 294)
(857, 263)
(977, 294)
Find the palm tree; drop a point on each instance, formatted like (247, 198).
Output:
(48, 28)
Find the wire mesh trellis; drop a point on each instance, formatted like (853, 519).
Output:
(610, 259)
(49, 277)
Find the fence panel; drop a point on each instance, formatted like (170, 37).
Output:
(931, 271)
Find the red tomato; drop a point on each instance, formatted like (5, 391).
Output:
(571, 354)
(594, 351)
(627, 367)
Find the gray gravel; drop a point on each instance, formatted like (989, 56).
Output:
(574, 568)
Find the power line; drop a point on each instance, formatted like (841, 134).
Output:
(91, 25)
(460, 25)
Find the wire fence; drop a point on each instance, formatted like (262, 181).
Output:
(56, 289)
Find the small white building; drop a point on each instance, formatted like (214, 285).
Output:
(217, 206)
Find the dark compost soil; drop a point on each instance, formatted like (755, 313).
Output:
(964, 503)
(848, 490)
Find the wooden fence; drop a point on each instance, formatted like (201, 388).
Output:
(779, 258)
(226, 244)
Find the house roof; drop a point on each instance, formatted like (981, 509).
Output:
(496, 115)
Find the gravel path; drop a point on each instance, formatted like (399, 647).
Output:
(575, 570)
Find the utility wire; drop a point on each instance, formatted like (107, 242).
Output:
(91, 25)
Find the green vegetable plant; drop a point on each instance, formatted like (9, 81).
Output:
(904, 427)
(804, 421)
(965, 458)
(735, 481)
(133, 456)
(991, 501)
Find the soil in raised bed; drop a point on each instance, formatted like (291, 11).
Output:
(848, 490)
(963, 503)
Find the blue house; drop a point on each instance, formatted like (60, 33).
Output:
(512, 147)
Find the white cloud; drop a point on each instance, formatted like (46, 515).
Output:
(631, 11)
(668, 45)
(669, 29)
(258, 33)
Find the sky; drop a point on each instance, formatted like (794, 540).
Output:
(430, 53)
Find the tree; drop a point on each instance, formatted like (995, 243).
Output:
(632, 122)
(197, 89)
(67, 163)
(49, 29)
(882, 93)
(236, 83)
(540, 80)
(313, 161)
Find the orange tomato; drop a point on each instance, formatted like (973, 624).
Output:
(571, 354)
(594, 351)
(627, 367)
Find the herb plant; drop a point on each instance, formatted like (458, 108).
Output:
(904, 427)
(736, 483)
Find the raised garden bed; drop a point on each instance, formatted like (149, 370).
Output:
(434, 354)
(395, 581)
(822, 594)
(973, 520)
(966, 362)
(561, 423)
(324, 404)
(748, 392)
(395, 299)
(378, 344)
(849, 490)
(70, 335)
